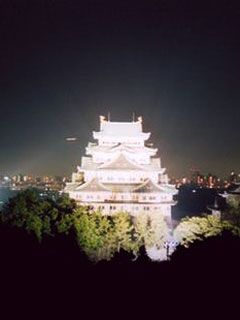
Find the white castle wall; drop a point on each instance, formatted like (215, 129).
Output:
(150, 198)
(131, 208)
(114, 176)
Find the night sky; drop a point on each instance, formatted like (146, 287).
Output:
(63, 63)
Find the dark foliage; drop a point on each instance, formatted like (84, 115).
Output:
(55, 271)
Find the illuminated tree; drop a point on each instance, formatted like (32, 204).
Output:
(158, 231)
(94, 234)
(101, 236)
(151, 230)
(141, 225)
(124, 232)
(199, 228)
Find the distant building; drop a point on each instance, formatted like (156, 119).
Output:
(121, 173)
(232, 194)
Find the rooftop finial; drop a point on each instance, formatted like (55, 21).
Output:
(102, 119)
(133, 116)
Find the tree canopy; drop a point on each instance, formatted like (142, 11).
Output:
(199, 228)
(102, 236)
(232, 214)
(40, 216)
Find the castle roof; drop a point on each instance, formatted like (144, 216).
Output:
(120, 147)
(70, 186)
(148, 186)
(121, 163)
(92, 185)
(121, 128)
(121, 187)
(88, 164)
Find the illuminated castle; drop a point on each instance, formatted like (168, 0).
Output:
(120, 172)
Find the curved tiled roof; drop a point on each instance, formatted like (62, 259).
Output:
(92, 185)
(122, 147)
(121, 163)
(148, 186)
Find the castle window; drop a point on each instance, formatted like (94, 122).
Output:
(152, 198)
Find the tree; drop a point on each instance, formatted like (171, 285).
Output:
(199, 228)
(94, 233)
(37, 215)
(158, 231)
(151, 230)
(124, 232)
(141, 225)
(232, 214)
(102, 236)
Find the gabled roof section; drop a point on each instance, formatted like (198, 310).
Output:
(121, 163)
(70, 187)
(121, 147)
(148, 186)
(132, 149)
(92, 186)
(169, 188)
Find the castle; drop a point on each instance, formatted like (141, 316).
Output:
(121, 172)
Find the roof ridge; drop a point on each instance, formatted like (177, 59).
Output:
(146, 183)
(115, 159)
(93, 180)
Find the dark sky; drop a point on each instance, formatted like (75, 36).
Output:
(176, 63)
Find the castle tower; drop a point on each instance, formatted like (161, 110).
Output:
(121, 173)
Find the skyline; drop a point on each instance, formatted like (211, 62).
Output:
(176, 66)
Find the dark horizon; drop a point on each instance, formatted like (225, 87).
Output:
(65, 63)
